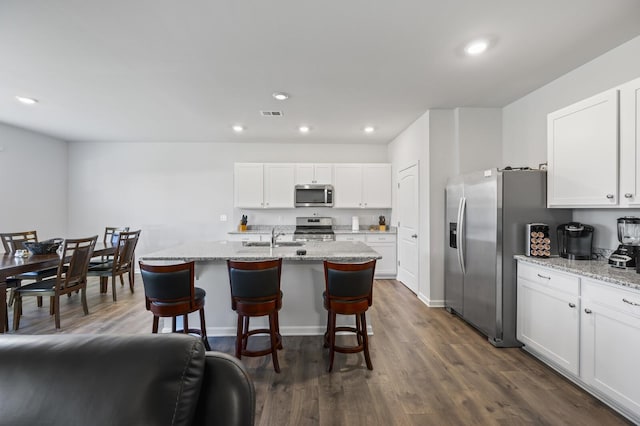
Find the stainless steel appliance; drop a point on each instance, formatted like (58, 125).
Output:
(629, 236)
(575, 240)
(314, 229)
(313, 196)
(486, 215)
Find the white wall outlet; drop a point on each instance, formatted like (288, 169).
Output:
(223, 218)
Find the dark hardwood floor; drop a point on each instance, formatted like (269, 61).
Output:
(430, 368)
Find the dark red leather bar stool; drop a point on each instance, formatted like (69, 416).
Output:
(348, 291)
(255, 292)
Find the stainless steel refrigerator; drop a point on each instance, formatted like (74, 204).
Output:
(486, 217)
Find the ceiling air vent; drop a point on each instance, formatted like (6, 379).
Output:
(271, 113)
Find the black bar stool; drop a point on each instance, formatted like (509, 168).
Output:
(348, 291)
(255, 292)
(169, 292)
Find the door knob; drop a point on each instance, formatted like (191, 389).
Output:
(414, 236)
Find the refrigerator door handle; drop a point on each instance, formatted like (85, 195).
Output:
(459, 235)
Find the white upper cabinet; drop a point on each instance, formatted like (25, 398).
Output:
(362, 185)
(258, 185)
(582, 152)
(630, 144)
(248, 185)
(376, 185)
(307, 173)
(348, 185)
(279, 185)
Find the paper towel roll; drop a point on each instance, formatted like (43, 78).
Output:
(355, 223)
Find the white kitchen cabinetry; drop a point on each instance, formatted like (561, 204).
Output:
(589, 330)
(362, 185)
(582, 153)
(307, 173)
(610, 342)
(258, 185)
(385, 244)
(247, 237)
(278, 185)
(350, 237)
(630, 144)
(548, 318)
(248, 185)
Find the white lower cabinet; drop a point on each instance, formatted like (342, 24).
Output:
(385, 244)
(245, 237)
(610, 343)
(587, 329)
(548, 315)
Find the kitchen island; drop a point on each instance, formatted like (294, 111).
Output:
(302, 281)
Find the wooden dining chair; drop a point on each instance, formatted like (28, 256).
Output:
(12, 241)
(71, 276)
(348, 291)
(123, 263)
(111, 236)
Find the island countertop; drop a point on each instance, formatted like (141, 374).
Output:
(335, 251)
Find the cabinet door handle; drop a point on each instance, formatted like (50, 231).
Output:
(572, 305)
(587, 310)
(542, 276)
(628, 195)
(414, 236)
(610, 196)
(630, 302)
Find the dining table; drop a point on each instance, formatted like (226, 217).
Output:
(11, 265)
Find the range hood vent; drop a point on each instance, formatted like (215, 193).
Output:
(271, 113)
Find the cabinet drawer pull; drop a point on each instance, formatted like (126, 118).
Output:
(587, 310)
(572, 305)
(628, 195)
(630, 302)
(545, 277)
(610, 196)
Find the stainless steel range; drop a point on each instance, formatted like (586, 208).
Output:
(314, 229)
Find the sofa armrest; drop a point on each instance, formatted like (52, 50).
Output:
(227, 395)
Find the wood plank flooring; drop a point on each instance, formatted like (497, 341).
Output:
(430, 368)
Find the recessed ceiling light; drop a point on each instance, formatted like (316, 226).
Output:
(369, 129)
(238, 128)
(304, 129)
(27, 101)
(281, 96)
(476, 47)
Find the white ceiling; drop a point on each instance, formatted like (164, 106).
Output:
(167, 70)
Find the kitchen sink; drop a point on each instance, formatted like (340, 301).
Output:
(267, 244)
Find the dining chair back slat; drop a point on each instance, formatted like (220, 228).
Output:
(12, 241)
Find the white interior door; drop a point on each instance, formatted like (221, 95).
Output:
(408, 214)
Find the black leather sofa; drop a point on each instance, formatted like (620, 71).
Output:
(161, 379)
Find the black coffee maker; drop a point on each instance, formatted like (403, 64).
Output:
(575, 240)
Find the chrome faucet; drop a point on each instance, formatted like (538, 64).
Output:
(274, 236)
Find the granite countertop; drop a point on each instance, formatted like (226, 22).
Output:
(342, 251)
(289, 229)
(597, 269)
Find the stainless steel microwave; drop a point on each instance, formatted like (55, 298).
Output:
(314, 196)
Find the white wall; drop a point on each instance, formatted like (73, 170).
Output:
(411, 147)
(478, 134)
(176, 192)
(431, 142)
(33, 172)
(525, 122)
